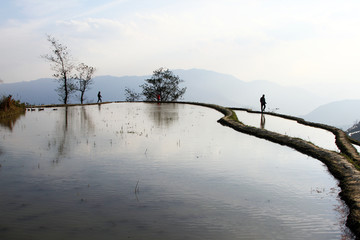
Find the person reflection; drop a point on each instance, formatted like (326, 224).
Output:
(262, 121)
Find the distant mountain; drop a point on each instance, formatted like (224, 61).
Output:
(342, 114)
(226, 90)
(202, 86)
(43, 91)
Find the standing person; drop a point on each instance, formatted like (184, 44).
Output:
(99, 97)
(263, 103)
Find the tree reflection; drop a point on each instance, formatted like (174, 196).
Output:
(9, 122)
(164, 114)
(74, 120)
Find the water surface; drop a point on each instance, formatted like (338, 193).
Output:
(292, 128)
(149, 171)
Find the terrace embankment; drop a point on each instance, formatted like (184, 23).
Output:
(344, 165)
(342, 141)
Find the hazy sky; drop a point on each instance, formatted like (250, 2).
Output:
(291, 42)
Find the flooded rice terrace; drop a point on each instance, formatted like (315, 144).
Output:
(292, 128)
(157, 171)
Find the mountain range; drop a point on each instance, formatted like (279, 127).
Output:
(342, 114)
(204, 86)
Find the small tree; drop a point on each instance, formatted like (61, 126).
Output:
(84, 77)
(164, 85)
(63, 66)
(131, 95)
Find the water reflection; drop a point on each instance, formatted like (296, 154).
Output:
(357, 147)
(262, 121)
(128, 171)
(72, 122)
(319, 137)
(9, 122)
(165, 115)
(86, 124)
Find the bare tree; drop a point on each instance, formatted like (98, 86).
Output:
(84, 76)
(62, 65)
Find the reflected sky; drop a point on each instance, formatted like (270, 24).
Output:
(157, 171)
(357, 147)
(319, 137)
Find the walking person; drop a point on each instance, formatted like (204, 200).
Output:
(263, 103)
(99, 97)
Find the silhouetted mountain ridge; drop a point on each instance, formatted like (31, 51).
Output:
(342, 114)
(202, 86)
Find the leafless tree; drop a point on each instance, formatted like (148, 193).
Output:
(84, 76)
(62, 65)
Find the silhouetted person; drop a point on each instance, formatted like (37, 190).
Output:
(263, 103)
(99, 97)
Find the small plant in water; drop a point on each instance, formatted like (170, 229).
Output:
(137, 188)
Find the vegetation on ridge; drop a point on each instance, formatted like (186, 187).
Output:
(10, 111)
(8, 105)
(162, 86)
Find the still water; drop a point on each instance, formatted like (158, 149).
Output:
(292, 128)
(149, 171)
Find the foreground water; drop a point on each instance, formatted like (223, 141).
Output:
(149, 171)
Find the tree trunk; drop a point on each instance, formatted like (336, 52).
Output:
(65, 89)
(82, 97)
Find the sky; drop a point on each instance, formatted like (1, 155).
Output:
(311, 43)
